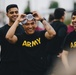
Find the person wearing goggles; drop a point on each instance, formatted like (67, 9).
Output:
(32, 43)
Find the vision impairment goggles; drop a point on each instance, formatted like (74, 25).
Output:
(28, 17)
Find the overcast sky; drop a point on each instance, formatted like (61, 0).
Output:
(35, 4)
(39, 5)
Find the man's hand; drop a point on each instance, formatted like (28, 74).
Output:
(60, 55)
(37, 16)
(21, 17)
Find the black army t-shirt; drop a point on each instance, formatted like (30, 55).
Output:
(33, 50)
(70, 46)
(70, 42)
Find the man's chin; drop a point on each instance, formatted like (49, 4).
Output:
(30, 33)
(13, 20)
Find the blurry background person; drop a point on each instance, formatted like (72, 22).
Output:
(54, 45)
(69, 49)
(73, 21)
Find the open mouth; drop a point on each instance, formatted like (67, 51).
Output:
(30, 30)
(74, 23)
(14, 17)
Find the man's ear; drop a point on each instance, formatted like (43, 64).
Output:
(63, 17)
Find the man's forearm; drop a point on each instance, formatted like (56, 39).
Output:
(65, 61)
(12, 30)
(48, 27)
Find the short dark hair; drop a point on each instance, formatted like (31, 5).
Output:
(51, 17)
(28, 13)
(11, 6)
(73, 13)
(59, 12)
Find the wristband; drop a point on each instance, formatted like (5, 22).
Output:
(42, 19)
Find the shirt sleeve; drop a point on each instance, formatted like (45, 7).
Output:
(43, 35)
(19, 37)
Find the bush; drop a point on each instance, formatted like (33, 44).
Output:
(67, 22)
